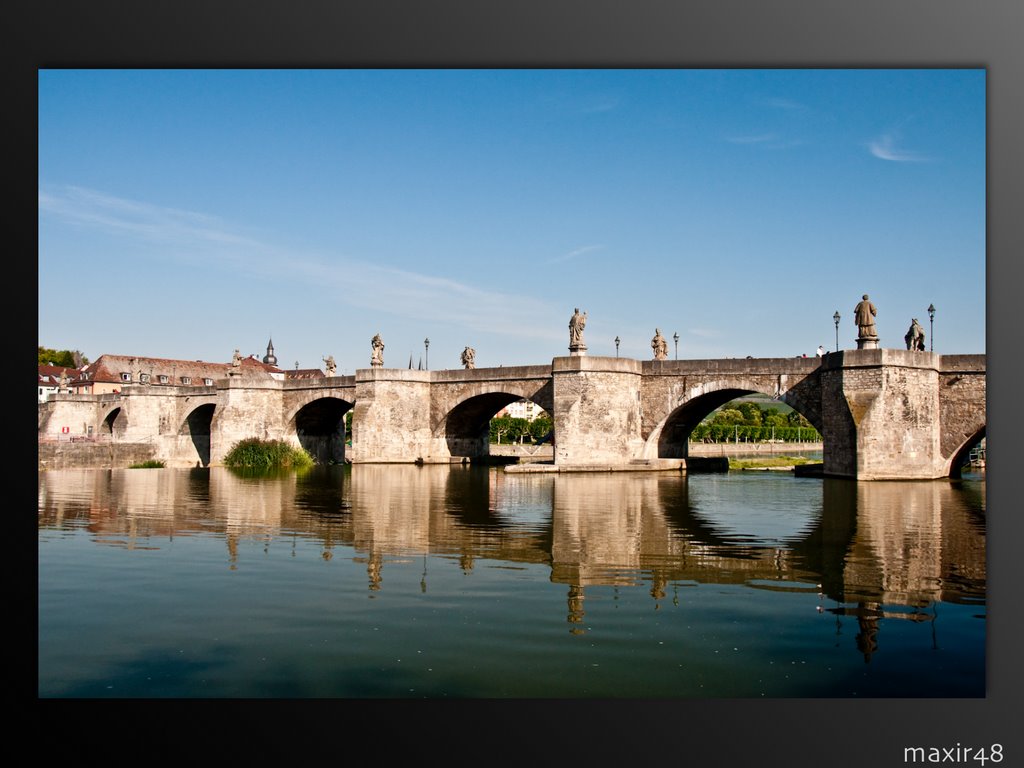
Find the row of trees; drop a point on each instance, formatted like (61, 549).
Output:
(750, 422)
(744, 420)
(506, 429)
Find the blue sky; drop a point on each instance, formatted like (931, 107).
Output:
(186, 213)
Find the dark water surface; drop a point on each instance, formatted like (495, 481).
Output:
(405, 581)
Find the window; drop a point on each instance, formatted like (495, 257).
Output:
(186, 380)
(163, 379)
(126, 377)
(208, 382)
(144, 378)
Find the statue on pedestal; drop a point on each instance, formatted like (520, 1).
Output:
(377, 358)
(469, 357)
(576, 325)
(864, 316)
(330, 365)
(915, 336)
(659, 345)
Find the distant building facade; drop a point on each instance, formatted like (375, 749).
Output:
(522, 409)
(109, 373)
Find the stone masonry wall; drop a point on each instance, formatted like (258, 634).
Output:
(881, 415)
(962, 408)
(391, 422)
(246, 408)
(596, 410)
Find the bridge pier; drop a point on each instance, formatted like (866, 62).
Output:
(391, 421)
(881, 415)
(247, 407)
(597, 412)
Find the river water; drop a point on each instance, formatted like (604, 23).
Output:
(395, 581)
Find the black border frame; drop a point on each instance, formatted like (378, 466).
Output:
(577, 34)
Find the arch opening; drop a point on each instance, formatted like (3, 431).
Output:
(733, 415)
(320, 427)
(501, 417)
(113, 423)
(197, 427)
(970, 456)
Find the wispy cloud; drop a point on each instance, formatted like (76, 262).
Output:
(576, 253)
(601, 104)
(885, 147)
(766, 140)
(150, 222)
(361, 283)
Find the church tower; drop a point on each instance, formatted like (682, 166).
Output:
(269, 358)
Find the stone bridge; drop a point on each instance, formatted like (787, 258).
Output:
(882, 413)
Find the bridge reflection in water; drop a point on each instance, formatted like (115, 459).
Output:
(873, 551)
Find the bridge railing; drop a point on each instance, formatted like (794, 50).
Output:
(101, 438)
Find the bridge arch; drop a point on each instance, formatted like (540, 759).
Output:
(319, 426)
(960, 455)
(114, 423)
(670, 437)
(465, 428)
(197, 426)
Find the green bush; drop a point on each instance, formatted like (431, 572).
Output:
(266, 454)
(148, 464)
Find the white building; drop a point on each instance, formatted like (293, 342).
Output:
(522, 409)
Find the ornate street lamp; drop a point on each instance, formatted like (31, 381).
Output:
(931, 327)
(426, 347)
(835, 317)
(616, 346)
(675, 337)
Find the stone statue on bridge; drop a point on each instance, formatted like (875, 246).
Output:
(330, 365)
(659, 345)
(576, 325)
(469, 357)
(864, 316)
(915, 336)
(236, 364)
(377, 358)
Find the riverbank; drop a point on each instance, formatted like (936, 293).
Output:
(738, 450)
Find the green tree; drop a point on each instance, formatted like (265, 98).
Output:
(751, 413)
(66, 358)
(541, 427)
(727, 417)
(796, 420)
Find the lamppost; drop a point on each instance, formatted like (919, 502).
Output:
(931, 327)
(675, 337)
(616, 346)
(426, 347)
(835, 317)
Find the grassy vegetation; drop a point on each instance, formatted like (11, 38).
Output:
(770, 461)
(267, 454)
(148, 464)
